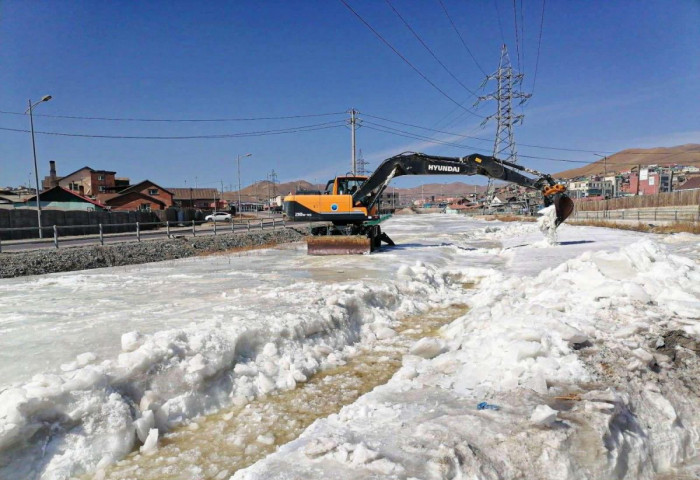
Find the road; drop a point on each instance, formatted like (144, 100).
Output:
(204, 229)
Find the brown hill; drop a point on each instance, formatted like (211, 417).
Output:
(688, 155)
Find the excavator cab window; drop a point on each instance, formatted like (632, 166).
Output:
(349, 185)
(329, 188)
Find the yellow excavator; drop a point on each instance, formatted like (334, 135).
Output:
(350, 203)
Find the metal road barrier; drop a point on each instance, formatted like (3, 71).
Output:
(95, 233)
(642, 215)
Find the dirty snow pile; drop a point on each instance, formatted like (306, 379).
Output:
(573, 371)
(92, 413)
(575, 360)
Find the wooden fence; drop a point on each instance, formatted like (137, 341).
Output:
(673, 199)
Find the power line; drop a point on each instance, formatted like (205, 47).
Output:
(539, 43)
(260, 133)
(415, 136)
(426, 128)
(429, 50)
(171, 120)
(406, 60)
(460, 36)
(522, 31)
(517, 42)
(563, 149)
(500, 25)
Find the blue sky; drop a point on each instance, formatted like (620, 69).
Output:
(611, 75)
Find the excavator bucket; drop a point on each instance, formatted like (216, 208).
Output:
(564, 206)
(339, 245)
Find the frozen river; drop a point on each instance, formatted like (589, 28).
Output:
(97, 364)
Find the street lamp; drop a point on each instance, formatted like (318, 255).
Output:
(45, 98)
(239, 180)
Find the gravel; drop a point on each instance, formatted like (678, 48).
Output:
(40, 262)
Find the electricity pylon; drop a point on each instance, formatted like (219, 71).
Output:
(507, 92)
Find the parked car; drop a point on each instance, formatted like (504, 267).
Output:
(218, 217)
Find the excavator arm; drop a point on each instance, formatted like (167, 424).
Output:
(410, 163)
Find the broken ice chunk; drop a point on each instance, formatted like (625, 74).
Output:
(543, 415)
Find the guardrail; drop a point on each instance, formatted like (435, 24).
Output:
(142, 229)
(665, 215)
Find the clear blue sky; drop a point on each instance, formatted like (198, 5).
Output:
(611, 75)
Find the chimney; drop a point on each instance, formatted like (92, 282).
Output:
(52, 174)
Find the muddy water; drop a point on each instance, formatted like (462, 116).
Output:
(215, 446)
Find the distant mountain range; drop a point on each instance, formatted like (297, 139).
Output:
(688, 155)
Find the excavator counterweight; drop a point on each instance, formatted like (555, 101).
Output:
(350, 203)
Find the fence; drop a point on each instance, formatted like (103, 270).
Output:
(22, 223)
(672, 199)
(137, 231)
(641, 215)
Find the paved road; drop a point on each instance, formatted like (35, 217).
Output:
(9, 246)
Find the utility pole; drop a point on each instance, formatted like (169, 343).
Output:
(507, 91)
(353, 125)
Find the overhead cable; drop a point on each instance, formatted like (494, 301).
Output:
(415, 136)
(517, 41)
(454, 27)
(563, 149)
(407, 61)
(539, 43)
(176, 120)
(260, 133)
(429, 50)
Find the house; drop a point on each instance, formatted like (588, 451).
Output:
(692, 183)
(150, 189)
(85, 181)
(131, 201)
(9, 197)
(206, 198)
(456, 208)
(649, 182)
(61, 198)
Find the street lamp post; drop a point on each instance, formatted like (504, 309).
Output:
(239, 180)
(45, 98)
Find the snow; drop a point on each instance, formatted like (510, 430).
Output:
(561, 335)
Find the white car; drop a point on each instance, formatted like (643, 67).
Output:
(218, 217)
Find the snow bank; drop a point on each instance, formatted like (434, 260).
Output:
(569, 356)
(93, 413)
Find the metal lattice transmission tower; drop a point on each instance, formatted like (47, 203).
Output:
(362, 164)
(507, 92)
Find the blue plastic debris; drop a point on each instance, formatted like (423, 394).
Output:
(487, 406)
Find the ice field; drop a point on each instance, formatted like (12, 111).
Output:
(274, 364)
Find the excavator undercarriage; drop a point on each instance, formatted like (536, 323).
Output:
(350, 203)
